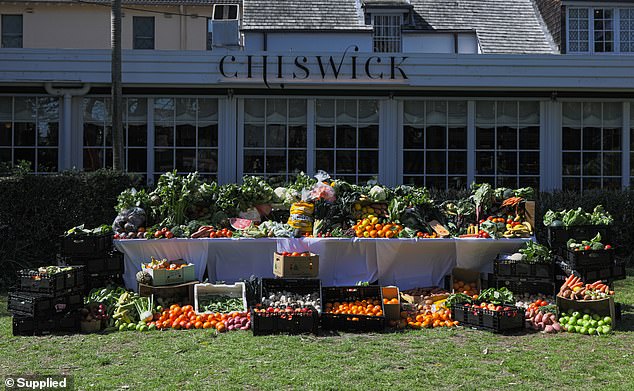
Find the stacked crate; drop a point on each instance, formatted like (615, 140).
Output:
(521, 277)
(46, 300)
(103, 265)
(589, 265)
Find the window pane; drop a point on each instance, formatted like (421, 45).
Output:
(458, 138)
(253, 110)
(413, 163)
(346, 162)
(591, 138)
(484, 163)
(414, 112)
(276, 111)
(48, 134)
(207, 135)
(164, 110)
(5, 155)
(368, 111)
(529, 137)
(137, 110)
(24, 134)
(6, 130)
(297, 136)
(254, 161)
(369, 136)
(592, 163)
(346, 136)
(435, 162)
(325, 160)
(507, 163)
(612, 139)
(485, 112)
(571, 139)
(413, 137)
(93, 159)
(571, 163)
(507, 113)
(163, 160)
(436, 137)
(275, 136)
(436, 112)
(137, 135)
(506, 137)
(208, 160)
(137, 160)
(207, 110)
(571, 184)
(529, 163)
(186, 135)
(612, 164)
(436, 182)
(325, 110)
(164, 135)
(368, 162)
(457, 163)
(253, 135)
(276, 161)
(325, 136)
(297, 111)
(296, 161)
(485, 138)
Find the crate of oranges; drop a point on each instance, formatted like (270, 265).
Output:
(353, 308)
(373, 227)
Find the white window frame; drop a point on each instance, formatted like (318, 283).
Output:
(225, 12)
(616, 30)
(390, 39)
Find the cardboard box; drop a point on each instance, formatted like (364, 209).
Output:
(604, 307)
(529, 214)
(236, 290)
(296, 267)
(392, 311)
(465, 275)
(162, 277)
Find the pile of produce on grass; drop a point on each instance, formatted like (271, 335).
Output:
(585, 323)
(574, 289)
(424, 316)
(542, 318)
(187, 206)
(426, 296)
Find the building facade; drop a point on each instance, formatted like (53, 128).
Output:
(437, 93)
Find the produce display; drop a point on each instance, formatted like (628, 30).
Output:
(527, 300)
(80, 231)
(585, 323)
(576, 217)
(593, 244)
(425, 317)
(219, 303)
(574, 289)
(367, 307)
(177, 317)
(47, 271)
(285, 299)
(468, 288)
(543, 318)
(164, 264)
(186, 206)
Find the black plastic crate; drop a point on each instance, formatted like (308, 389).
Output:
(86, 245)
(503, 266)
(69, 281)
(300, 286)
(36, 305)
(496, 321)
(349, 322)
(284, 323)
(27, 325)
(589, 259)
(109, 263)
(520, 286)
(613, 272)
(559, 236)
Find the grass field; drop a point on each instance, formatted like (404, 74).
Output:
(432, 359)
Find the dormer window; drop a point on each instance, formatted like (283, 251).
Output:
(387, 32)
(225, 12)
(600, 30)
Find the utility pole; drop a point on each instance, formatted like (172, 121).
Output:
(117, 99)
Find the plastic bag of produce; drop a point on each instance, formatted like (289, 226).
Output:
(302, 216)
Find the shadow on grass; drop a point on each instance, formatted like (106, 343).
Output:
(626, 323)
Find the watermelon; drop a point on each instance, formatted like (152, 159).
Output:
(240, 224)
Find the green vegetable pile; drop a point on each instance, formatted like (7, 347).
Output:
(496, 296)
(222, 304)
(592, 244)
(576, 217)
(535, 253)
(81, 231)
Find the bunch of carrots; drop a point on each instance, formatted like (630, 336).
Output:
(574, 289)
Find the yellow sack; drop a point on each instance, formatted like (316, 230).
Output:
(302, 216)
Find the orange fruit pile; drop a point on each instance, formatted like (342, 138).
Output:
(371, 228)
(368, 307)
(468, 288)
(177, 317)
(429, 319)
(390, 301)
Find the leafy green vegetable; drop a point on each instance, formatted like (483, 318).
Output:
(536, 253)
(176, 193)
(496, 296)
(457, 298)
(81, 231)
(574, 217)
(482, 197)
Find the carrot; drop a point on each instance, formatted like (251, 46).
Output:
(574, 280)
(569, 279)
(595, 284)
(578, 284)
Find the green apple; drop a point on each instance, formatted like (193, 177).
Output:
(563, 320)
(594, 323)
(606, 329)
(592, 331)
(563, 314)
(576, 314)
(571, 329)
(584, 330)
(596, 317)
(572, 321)
(586, 323)
(600, 323)
(578, 329)
(607, 320)
(587, 317)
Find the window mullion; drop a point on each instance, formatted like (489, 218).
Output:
(471, 142)
(310, 136)
(150, 141)
(625, 145)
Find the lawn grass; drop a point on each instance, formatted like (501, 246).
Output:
(433, 359)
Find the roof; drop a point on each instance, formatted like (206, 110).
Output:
(509, 26)
(173, 3)
(303, 15)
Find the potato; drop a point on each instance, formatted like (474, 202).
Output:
(549, 329)
(556, 326)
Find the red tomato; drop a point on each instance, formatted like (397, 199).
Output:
(295, 254)
(158, 234)
(169, 234)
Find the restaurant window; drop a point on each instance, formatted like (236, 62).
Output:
(347, 138)
(11, 31)
(387, 33)
(435, 143)
(143, 31)
(600, 30)
(97, 148)
(275, 137)
(591, 145)
(507, 143)
(29, 131)
(186, 136)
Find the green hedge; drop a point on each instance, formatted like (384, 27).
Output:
(35, 210)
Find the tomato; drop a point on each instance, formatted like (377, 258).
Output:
(164, 229)
(607, 247)
(295, 254)
(490, 218)
(305, 255)
(158, 234)
(509, 221)
(169, 234)
(212, 235)
(587, 248)
(229, 234)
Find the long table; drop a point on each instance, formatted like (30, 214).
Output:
(407, 263)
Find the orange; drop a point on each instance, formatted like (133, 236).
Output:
(373, 233)
(206, 325)
(198, 325)
(393, 301)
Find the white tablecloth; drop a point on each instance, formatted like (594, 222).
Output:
(478, 254)
(414, 263)
(342, 261)
(138, 251)
(407, 263)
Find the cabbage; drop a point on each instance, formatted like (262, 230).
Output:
(377, 193)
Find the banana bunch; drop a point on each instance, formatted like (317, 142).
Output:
(524, 230)
(472, 230)
(125, 311)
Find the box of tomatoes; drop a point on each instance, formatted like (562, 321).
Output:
(296, 265)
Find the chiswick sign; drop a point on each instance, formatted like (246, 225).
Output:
(280, 69)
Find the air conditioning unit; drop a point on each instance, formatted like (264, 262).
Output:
(226, 32)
